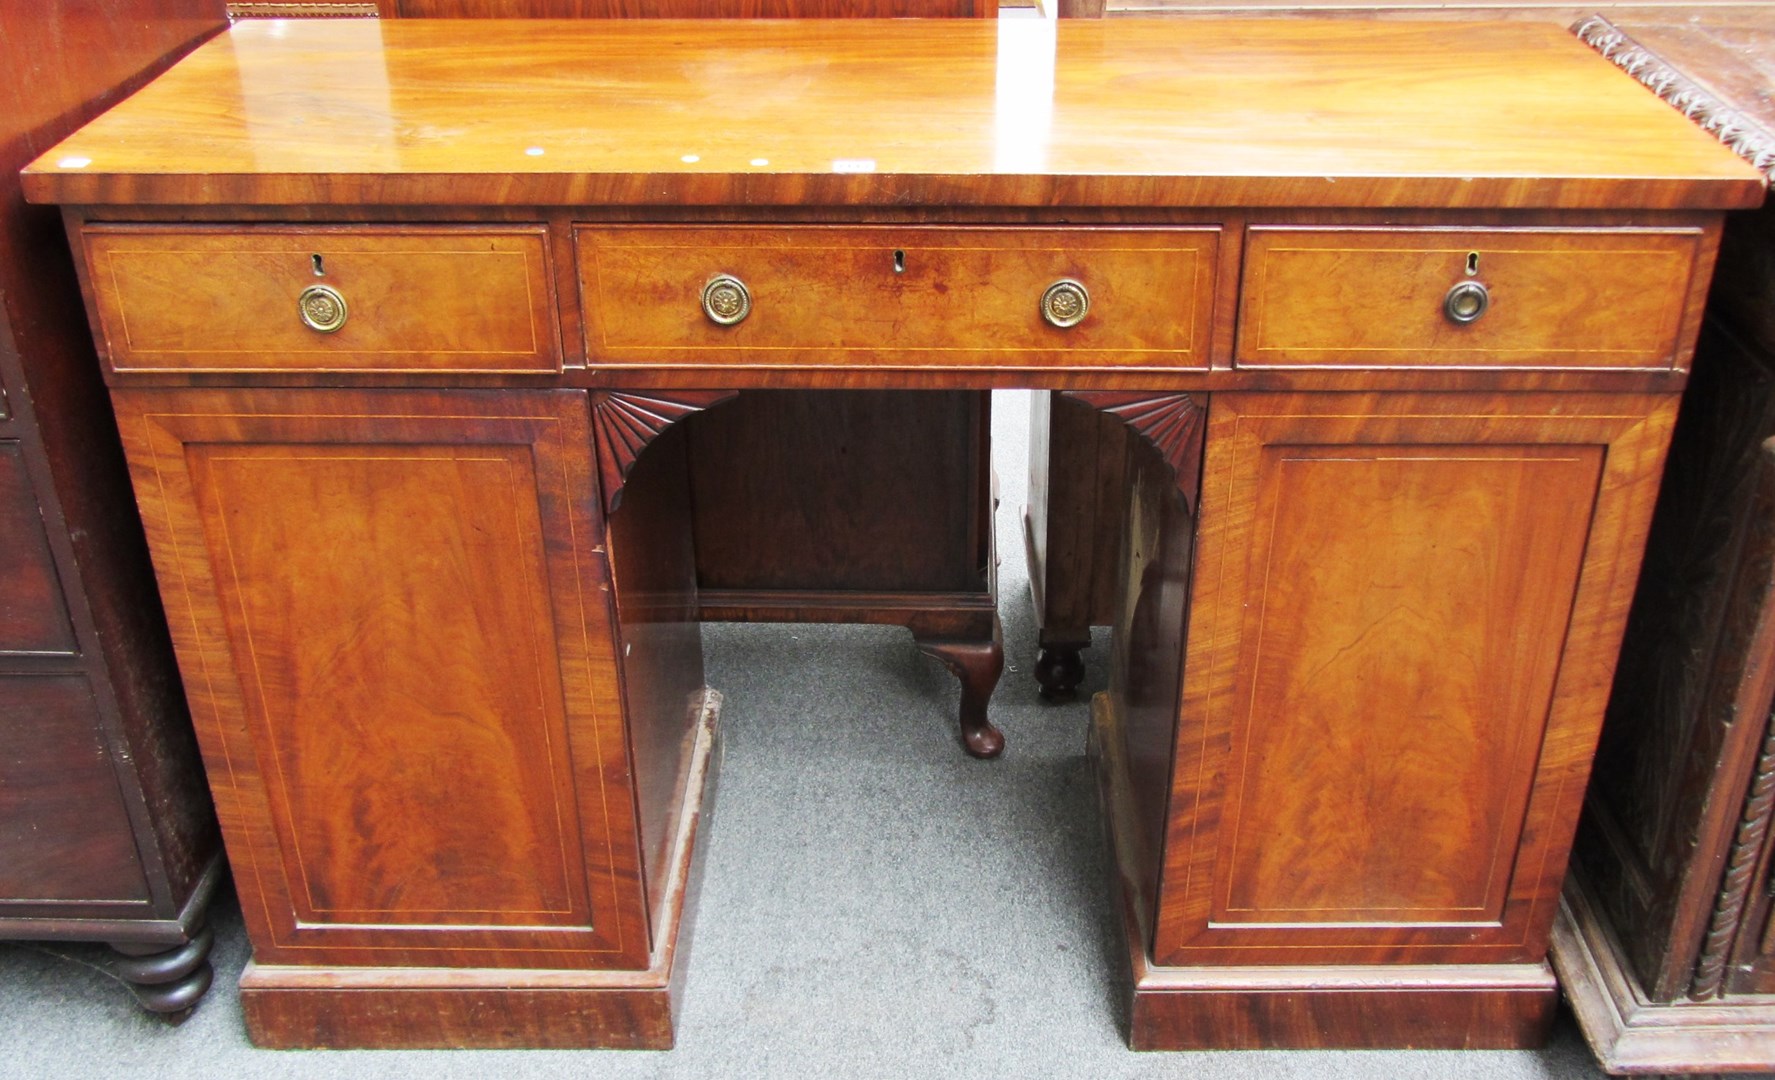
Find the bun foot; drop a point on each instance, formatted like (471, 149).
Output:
(1059, 671)
(167, 981)
(977, 664)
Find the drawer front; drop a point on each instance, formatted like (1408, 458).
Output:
(898, 296)
(469, 299)
(1554, 298)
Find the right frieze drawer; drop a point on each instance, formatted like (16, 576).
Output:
(1367, 297)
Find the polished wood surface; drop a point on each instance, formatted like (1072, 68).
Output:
(1481, 485)
(1417, 599)
(617, 9)
(1150, 602)
(311, 1006)
(1447, 1006)
(1374, 297)
(653, 567)
(1543, 11)
(425, 299)
(791, 579)
(690, 9)
(106, 830)
(388, 607)
(857, 296)
(1028, 112)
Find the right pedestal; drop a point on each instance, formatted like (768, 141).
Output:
(1346, 823)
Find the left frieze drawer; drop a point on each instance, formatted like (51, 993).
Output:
(317, 299)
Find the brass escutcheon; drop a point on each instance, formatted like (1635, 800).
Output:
(726, 300)
(1065, 303)
(322, 308)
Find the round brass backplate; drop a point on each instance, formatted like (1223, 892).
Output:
(322, 308)
(726, 300)
(1065, 303)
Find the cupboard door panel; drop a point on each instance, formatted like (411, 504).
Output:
(400, 671)
(395, 605)
(1400, 662)
(1405, 615)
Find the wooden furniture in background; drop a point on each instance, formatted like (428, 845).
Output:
(824, 508)
(1549, 11)
(1665, 942)
(106, 831)
(436, 582)
(1072, 532)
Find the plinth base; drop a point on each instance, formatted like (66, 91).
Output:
(1355, 1007)
(1630, 1033)
(411, 1008)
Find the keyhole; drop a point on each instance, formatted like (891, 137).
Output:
(899, 262)
(320, 269)
(1472, 264)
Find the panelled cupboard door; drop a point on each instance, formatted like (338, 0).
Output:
(1404, 621)
(391, 610)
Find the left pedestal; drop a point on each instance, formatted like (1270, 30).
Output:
(416, 690)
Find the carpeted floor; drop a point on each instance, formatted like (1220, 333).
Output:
(875, 904)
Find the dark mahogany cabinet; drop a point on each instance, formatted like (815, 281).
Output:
(106, 829)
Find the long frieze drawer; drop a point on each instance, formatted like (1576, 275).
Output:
(456, 299)
(897, 296)
(1533, 298)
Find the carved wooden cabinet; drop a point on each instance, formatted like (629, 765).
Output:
(430, 555)
(106, 830)
(1665, 944)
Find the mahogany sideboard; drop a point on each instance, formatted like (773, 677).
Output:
(106, 830)
(400, 322)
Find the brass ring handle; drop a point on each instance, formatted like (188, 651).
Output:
(1065, 303)
(322, 308)
(1466, 302)
(726, 300)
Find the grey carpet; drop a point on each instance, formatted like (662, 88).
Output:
(875, 903)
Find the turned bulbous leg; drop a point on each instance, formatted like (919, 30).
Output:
(167, 981)
(1059, 670)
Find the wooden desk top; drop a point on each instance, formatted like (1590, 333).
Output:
(850, 112)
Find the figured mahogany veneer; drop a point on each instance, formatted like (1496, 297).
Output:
(930, 297)
(1369, 297)
(430, 299)
(894, 113)
(1382, 580)
(1363, 639)
(407, 588)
